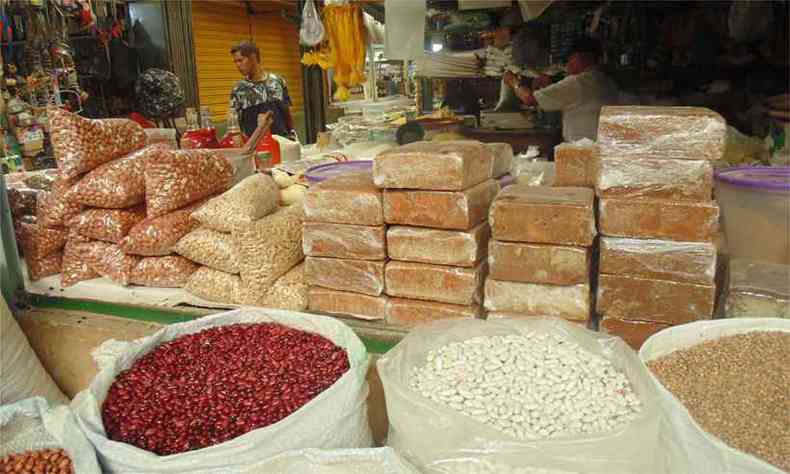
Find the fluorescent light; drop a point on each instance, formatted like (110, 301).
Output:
(436, 47)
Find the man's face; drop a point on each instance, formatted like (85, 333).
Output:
(245, 65)
(575, 64)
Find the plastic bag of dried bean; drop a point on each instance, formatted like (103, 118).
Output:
(214, 285)
(30, 429)
(289, 292)
(171, 271)
(110, 262)
(54, 208)
(109, 225)
(176, 178)
(117, 184)
(39, 241)
(42, 267)
(254, 197)
(76, 261)
(217, 250)
(158, 236)
(81, 144)
(335, 461)
(335, 418)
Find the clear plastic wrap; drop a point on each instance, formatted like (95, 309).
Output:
(174, 179)
(41, 180)
(345, 241)
(117, 184)
(254, 197)
(22, 201)
(289, 292)
(654, 219)
(679, 133)
(437, 166)
(410, 313)
(758, 289)
(164, 136)
(439, 247)
(54, 208)
(360, 306)
(170, 271)
(346, 199)
(76, 262)
(688, 262)
(215, 285)
(634, 333)
(532, 299)
(546, 215)
(109, 225)
(497, 315)
(158, 236)
(537, 263)
(443, 284)
(534, 172)
(455, 210)
(502, 161)
(674, 180)
(210, 248)
(39, 241)
(338, 461)
(38, 268)
(576, 163)
(81, 144)
(110, 262)
(660, 301)
(357, 276)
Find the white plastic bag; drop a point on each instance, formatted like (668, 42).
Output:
(31, 425)
(340, 461)
(440, 440)
(336, 418)
(686, 446)
(312, 31)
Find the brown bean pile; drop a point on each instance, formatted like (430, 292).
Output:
(39, 241)
(109, 225)
(157, 236)
(738, 389)
(110, 262)
(171, 271)
(54, 208)
(76, 258)
(38, 268)
(41, 461)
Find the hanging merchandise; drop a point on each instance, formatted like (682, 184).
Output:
(159, 93)
(312, 31)
(405, 38)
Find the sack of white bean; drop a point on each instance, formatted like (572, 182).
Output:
(43, 439)
(289, 292)
(254, 197)
(215, 285)
(210, 248)
(733, 376)
(337, 461)
(523, 396)
(334, 418)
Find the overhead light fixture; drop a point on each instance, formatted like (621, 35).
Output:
(436, 47)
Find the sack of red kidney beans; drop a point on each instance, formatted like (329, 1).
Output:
(249, 384)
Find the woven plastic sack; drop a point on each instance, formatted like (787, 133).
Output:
(117, 184)
(76, 263)
(438, 439)
(54, 208)
(253, 198)
(38, 241)
(174, 179)
(109, 225)
(158, 236)
(110, 262)
(215, 285)
(170, 271)
(32, 425)
(81, 144)
(42, 267)
(217, 250)
(686, 446)
(23, 376)
(336, 461)
(289, 292)
(335, 418)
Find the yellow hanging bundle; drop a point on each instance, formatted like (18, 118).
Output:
(345, 48)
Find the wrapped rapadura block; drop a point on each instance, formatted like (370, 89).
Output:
(687, 262)
(493, 316)
(541, 214)
(663, 220)
(661, 301)
(404, 312)
(503, 158)
(350, 304)
(358, 276)
(758, 289)
(438, 166)
(346, 199)
(532, 299)
(634, 333)
(455, 210)
(422, 281)
(359, 242)
(576, 163)
(440, 247)
(679, 133)
(653, 178)
(538, 263)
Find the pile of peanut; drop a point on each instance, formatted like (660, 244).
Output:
(41, 461)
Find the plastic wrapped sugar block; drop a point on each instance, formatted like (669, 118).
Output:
(758, 289)
(533, 299)
(538, 263)
(502, 161)
(576, 163)
(634, 333)
(663, 220)
(357, 276)
(346, 303)
(346, 199)
(653, 178)
(440, 247)
(405, 312)
(689, 262)
(422, 281)
(321, 239)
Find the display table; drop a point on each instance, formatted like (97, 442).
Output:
(544, 138)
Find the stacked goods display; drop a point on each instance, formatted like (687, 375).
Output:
(241, 396)
(758, 289)
(539, 394)
(576, 163)
(657, 217)
(539, 258)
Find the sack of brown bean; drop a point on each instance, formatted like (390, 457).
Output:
(40, 439)
(39, 241)
(335, 461)
(723, 395)
(81, 144)
(174, 179)
(76, 262)
(254, 197)
(271, 415)
(170, 271)
(117, 184)
(54, 208)
(108, 225)
(42, 267)
(289, 292)
(215, 285)
(110, 262)
(158, 236)
(213, 249)
(555, 398)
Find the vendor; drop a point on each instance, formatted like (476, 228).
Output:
(579, 96)
(259, 92)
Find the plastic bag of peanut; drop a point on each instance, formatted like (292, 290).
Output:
(38, 268)
(110, 262)
(76, 261)
(254, 197)
(117, 184)
(109, 225)
(289, 292)
(214, 285)
(175, 178)
(38, 241)
(210, 248)
(158, 236)
(81, 144)
(171, 271)
(54, 208)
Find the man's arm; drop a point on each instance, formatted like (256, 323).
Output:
(523, 93)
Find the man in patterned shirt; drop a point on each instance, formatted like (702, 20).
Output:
(259, 92)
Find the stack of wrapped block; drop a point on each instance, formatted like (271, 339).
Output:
(576, 163)
(657, 217)
(540, 253)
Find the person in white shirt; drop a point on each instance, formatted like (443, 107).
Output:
(579, 96)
